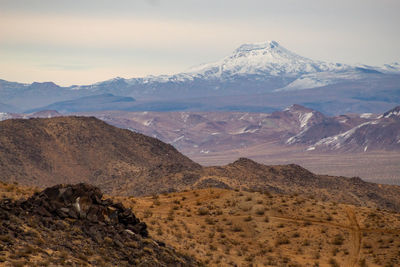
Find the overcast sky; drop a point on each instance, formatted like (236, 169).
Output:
(86, 41)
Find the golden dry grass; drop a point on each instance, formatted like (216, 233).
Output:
(15, 191)
(225, 227)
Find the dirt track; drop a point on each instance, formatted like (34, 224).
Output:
(354, 256)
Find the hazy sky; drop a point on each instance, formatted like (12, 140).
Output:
(85, 41)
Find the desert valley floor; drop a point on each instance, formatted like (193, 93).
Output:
(376, 166)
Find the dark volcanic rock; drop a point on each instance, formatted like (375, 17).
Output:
(85, 202)
(73, 224)
(207, 183)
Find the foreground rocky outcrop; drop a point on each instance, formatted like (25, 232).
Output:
(74, 224)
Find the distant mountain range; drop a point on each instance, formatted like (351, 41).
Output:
(205, 132)
(256, 77)
(90, 103)
(43, 152)
(365, 145)
(381, 133)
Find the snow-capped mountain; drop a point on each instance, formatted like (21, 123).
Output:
(297, 118)
(5, 116)
(264, 69)
(393, 113)
(390, 68)
(41, 114)
(260, 60)
(269, 58)
(324, 78)
(260, 67)
(377, 133)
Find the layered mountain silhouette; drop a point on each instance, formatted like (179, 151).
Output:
(380, 133)
(90, 103)
(255, 77)
(204, 132)
(44, 152)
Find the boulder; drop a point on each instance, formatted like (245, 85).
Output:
(84, 202)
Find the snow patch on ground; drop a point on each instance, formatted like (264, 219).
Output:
(393, 113)
(366, 115)
(305, 83)
(293, 139)
(304, 118)
(336, 141)
(148, 122)
(4, 116)
(178, 138)
(243, 116)
(320, 79)
(184, 117)
(245, 130)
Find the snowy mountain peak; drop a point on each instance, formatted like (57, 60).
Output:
(393, 113)
(298, 108)
(264, 67)
(267, 59)
(5, 116)
(391, 68)
(258, 46)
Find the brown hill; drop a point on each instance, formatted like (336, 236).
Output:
(73, 225)
(289, 136)
(293, 179)
(215, 138)
(44, 152)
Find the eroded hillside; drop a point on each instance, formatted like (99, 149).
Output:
(45, 152)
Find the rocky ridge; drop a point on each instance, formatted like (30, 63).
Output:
(45, 152)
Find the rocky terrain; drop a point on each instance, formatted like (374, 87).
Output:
(45, 152)
(240, 228)
(163, 209)
(75, 225)
(296, 134)
(293, 179)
